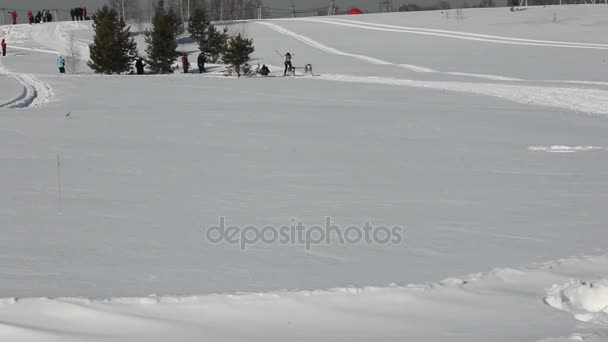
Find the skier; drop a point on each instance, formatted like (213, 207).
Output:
(185, 63)
(288, 65)
(201, 63)
(14, 16)
(3, 44)
(61, 64)
(139, 65)
(264, 71)
(30, 17)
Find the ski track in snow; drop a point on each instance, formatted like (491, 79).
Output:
(458, 34)
(423, 69)
(35, 93)
(590, 101)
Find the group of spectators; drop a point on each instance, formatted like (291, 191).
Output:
(46, 16)
(40, 17)
(79, 13)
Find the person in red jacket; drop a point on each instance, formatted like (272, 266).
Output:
(14, 16)
(30, 17)
(84, 12)
(185, 63)
(3, 44)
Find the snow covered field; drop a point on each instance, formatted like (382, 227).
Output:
(484, 138)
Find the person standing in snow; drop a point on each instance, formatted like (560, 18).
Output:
(288, 65)
(30, 17)
(84, 12)
(3, 44)
(14, 16)
(201, 63)
(139, 66)
(185, 63)
(61, 64)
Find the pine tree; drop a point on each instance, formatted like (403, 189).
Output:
(198, 24)
(237, 52)
(213, 43)
(175, 22)
(113, 50)
(162, 43)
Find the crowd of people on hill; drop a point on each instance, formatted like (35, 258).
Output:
(43, 16)
(79, 13)
(46, 16)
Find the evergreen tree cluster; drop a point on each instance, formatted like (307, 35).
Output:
(113, 50)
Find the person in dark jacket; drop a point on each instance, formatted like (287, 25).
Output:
(72, 13)
(139, 66)
(201, 63)
(38, 17)
(264, 71)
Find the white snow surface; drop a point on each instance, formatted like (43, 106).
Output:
(433, 124)
(587, 301)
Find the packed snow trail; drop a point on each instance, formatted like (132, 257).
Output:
(58, 36)
(591, 101)
(415, 68)
(331, 50)
(35, 93)
(458, 35)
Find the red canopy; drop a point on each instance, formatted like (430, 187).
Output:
(355, 11)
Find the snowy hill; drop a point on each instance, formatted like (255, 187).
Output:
(484, 138)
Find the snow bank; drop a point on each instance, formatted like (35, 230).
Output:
(483, 306)
(565, 149)
(586, 301)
